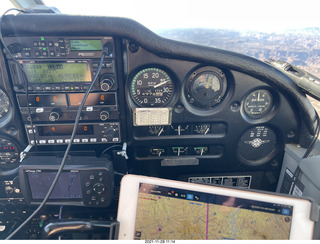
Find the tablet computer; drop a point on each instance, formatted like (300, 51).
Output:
(159, 209)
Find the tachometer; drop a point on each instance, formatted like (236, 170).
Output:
(4, 104)
(152, 87)
(258, 103)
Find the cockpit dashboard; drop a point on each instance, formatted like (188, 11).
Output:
(158, 108)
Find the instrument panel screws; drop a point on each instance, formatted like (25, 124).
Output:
(179, 108)
(235, 107)
(291, 134)
(133, 47)
(274, 163)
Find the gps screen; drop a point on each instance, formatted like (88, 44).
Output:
(168, 213)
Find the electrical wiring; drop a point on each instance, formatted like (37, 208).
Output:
(104, 53)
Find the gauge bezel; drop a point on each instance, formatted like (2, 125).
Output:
(11, 170)
(4, 119)
(267, 158)
(223, 93)
(171, 100)
(268, 114)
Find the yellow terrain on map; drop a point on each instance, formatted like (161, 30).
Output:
(167, 218)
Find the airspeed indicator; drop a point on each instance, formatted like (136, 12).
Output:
(152, 87)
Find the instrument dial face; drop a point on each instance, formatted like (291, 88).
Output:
(152, 87)
(9, 154)
(202, 129)
(258, 103)
(205, 88)
(257, 145)
(156, 130)
(4, 104)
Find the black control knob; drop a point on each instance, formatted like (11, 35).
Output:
(104, 114)
(106, 83)
(99, 188)
(110, 133)
(15, 48)
(55, 115)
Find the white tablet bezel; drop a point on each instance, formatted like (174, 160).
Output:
(301, 227)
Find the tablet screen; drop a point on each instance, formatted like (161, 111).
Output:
(171, 213)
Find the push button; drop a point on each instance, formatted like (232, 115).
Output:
(45, 54)
(99, 188)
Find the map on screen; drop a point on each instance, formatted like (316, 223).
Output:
(168, 213)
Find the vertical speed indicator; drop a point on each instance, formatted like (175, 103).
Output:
(151, 87)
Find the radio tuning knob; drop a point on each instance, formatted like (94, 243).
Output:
(55, 115)
(106, 83)
(104, 115)
(110, 133)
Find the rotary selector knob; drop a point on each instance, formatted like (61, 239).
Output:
(8, 189)
(106, 83)
(110, 133)
(55, 115)
(104, 115)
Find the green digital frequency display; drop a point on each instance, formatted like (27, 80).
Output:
(85, 45)
(57, 72)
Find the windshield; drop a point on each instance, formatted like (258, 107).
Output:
(272, 15)
(285, 30)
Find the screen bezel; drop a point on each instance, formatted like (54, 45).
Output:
(28, 195)
(54, 172)
(84, 41)
(88, 70)
(301, 227)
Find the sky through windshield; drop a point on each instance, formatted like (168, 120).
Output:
(271, 15)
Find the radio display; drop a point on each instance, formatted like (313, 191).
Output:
(57, 72)
(93, 99)
(68, 185)
(85, 45)
(63, 130)
(55, 100)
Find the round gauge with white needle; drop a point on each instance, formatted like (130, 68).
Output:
(152, 87)
(258, 103)
(205, 88)
(202, 129)
(4, 105)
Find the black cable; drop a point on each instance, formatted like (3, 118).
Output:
(107, 149)
(67, 150)
(314, 139)
(20, 66)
